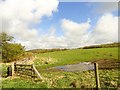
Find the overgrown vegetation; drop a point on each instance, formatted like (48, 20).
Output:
(4, 68)
(12, 51)
(86, 79)
(108, 79)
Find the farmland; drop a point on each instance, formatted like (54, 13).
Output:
(58, 58)
(61, 79)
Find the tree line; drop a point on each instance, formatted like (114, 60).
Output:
(45, 50)
(110, 45)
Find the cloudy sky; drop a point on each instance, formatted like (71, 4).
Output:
(58, 24)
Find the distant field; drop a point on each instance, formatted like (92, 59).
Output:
(58, 58)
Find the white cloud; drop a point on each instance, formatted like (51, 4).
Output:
(18, 15)
(45, 41)
(106, 29)
(27, 10)
(72, 27)
(75, 33)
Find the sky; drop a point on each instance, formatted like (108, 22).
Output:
(46, 24)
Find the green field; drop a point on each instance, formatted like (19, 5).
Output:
(58, 58)
(62, 79)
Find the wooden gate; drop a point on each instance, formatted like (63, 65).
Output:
(26, 70)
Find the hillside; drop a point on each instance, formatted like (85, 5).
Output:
(58, 58)
(110, 45)
(45, 50)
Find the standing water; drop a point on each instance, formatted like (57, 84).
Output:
(82, 66)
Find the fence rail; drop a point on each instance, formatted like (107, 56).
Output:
(28, 70)
(22, 64)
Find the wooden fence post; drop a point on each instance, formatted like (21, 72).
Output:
(37, 72)
(15, 67)
(96, 76)
(9, 71)
(31, 72)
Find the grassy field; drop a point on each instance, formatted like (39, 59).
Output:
(21, 83)
(58, 58)
(86, 79)
(61, 79)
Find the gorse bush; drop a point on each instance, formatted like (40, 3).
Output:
(10, 51)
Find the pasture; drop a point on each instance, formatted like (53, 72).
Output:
(61, 79)
(58, 58)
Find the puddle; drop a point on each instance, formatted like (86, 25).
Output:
(82, 66)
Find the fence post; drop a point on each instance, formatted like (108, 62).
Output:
(96, 76)
(37, 72)
(15, 67)
(31, 72)
(33, 75)
(9, 71)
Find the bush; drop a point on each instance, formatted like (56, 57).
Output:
(10, 50)
(4, 70)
